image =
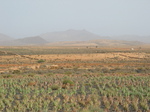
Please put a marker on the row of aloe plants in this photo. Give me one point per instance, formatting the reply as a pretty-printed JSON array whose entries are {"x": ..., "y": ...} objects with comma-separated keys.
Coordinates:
[{"x": 75, "y": 93}]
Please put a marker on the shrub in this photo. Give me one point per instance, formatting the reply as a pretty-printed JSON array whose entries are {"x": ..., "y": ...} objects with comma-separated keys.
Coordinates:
[
  {"x": 16, "y": 72},
  {"x": 31, "y": 75},
  {"x": 50, "y": 74},
  {"x": 68, "y": 81},
  {"x": 105, "y": 70},
  {"x": 54, "y": 87},
  {"x": 68, "y": 72},
  {"x": 101, "y": 74},
  {"x": 41, "y": 61},
  {"x": 7, "y": 76}
]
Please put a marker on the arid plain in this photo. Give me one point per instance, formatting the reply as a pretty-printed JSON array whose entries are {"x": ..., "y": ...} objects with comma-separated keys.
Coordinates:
[{"x": 36, "y": 58}]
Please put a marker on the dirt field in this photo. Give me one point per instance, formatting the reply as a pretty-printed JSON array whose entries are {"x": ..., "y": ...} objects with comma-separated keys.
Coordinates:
[{"x": 58, "y": 58}]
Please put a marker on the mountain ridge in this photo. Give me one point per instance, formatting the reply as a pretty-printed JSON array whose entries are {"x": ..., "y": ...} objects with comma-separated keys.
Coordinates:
[
  {"x": 68, "y": 38},
  {"x": 4, "y": 37},
  {"x": 71, "y": 35},
  {"x": 36, "y": 40},
  {"x": 32, "y": 40}
]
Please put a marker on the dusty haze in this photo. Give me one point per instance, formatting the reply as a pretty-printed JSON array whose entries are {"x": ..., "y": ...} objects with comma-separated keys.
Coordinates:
[{"x": 25, "y": 18}]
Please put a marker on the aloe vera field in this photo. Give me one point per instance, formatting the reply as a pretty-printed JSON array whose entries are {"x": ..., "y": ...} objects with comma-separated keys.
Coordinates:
[{"x": 74, "y": 79}]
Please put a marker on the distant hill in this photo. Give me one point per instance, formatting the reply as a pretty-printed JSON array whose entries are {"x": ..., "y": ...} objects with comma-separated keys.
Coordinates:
[
  {"x": 71, "y": 35},
  {"x": 74, "y": 38},
  {"x": 84, "y": 35},
  {"x": 4, "y": 37},
  {"x": 25, "y": 41},
  {"x": 37, "y": 40}
]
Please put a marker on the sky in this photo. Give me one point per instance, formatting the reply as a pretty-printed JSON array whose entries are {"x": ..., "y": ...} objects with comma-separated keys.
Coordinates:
[{"x": 23, "y": 18}]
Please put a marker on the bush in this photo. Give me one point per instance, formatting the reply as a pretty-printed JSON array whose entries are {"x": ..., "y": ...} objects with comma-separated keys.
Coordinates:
[
  {"x": 50, "y": 74},
  {"x": 41, "y": 61},
  {"x": 16, "y": 72},
  {"x": 7, "y": 76},
  {"x": 68, "y": 72},
  {"x": 54, "y": 87},
  {"x": 105, "y": 70},
  {"x": 31, "y": 75},
  {"x": 68, "y": 81},
  {"x": 101, "y": 74}
]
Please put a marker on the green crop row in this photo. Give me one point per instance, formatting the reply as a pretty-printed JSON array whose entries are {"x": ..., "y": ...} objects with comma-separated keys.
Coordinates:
[{"x": 75, "y": 93}]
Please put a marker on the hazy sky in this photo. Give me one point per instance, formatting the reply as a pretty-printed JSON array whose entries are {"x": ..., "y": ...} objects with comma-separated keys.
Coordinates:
[{"x": 22, "y": 18}]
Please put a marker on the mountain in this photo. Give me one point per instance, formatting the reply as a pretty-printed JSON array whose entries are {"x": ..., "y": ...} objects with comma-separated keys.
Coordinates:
[
  {"x": 75, "y": 38},
  {"x": 37, "y": 40},
  {"x": 4, "y": 37},
  {"x": 71, "y": 35},
  {"x": 25, "y": 41},
  {"x": 83, "y": 35}
]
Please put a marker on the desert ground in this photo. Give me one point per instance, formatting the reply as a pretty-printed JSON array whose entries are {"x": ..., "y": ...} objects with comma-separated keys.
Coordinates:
[{"x": 49, "y": 58}]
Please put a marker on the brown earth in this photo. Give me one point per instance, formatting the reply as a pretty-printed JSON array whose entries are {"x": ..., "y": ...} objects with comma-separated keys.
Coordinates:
[{"x": 81, "y": 61}]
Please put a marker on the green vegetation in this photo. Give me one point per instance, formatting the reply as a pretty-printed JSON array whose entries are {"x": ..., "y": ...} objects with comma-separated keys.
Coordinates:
[
  {"x": 41, "y": 61},
  {"x": 67, "y": 50},
  {"x": 54, "y": 87},
  {"x": 89, "y": 93},
  {"x": 68, "y": 81},
  {"x": 16, "y": 72}
]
